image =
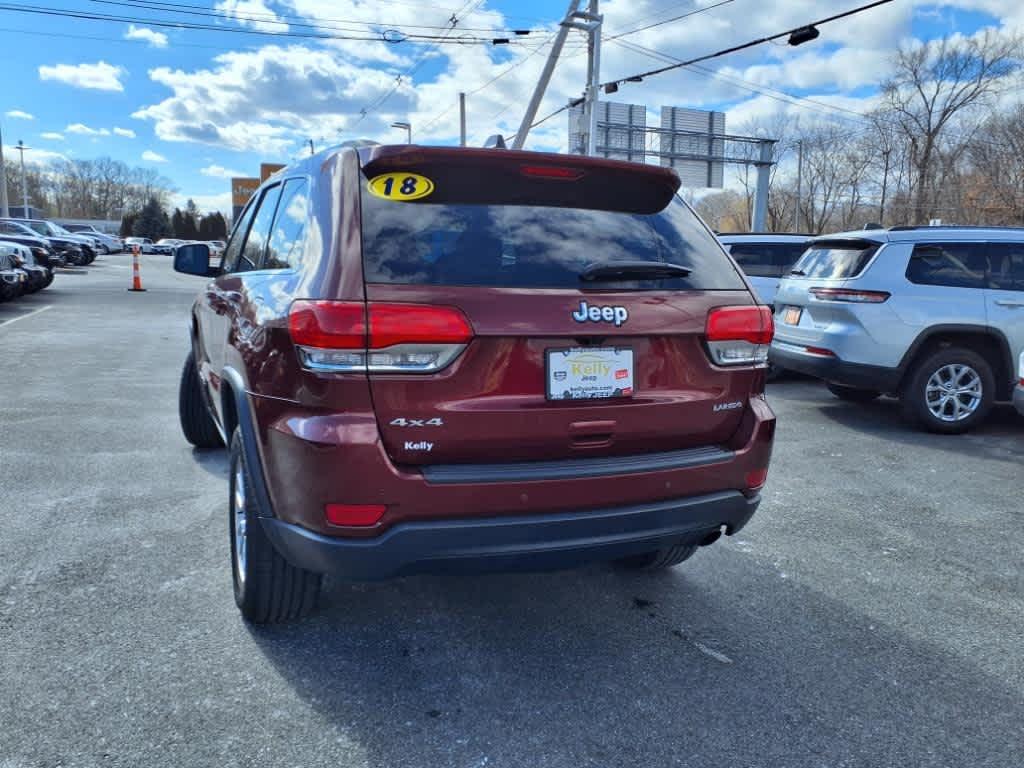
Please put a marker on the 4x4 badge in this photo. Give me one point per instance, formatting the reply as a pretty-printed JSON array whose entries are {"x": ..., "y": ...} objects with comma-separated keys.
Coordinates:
[{"x": 617, "y": 315}]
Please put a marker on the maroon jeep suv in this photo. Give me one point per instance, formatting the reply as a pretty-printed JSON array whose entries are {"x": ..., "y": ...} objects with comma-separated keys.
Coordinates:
[{"x": 428, "y": 358}]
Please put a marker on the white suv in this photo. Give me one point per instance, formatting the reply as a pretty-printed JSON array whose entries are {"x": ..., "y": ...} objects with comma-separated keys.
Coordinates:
[
  {"x": 765, "y": 258},
  {"x": 933, "y": 315}
]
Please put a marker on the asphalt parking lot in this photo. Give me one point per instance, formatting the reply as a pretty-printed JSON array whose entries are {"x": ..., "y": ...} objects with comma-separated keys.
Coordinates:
[{"x": 872, "y": 614}]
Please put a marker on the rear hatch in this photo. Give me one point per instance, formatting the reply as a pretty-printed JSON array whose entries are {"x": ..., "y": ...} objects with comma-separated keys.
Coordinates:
[
  {"x": 575, "y": 294},
  {"x": 819, "y": 293}
]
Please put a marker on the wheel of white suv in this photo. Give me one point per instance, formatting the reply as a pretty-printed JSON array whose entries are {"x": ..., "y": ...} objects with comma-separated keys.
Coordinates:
[
  {"x": 853, "y": 394},
  {"x": 268, "y": 589},
  {"x": 949, "y": 391}
]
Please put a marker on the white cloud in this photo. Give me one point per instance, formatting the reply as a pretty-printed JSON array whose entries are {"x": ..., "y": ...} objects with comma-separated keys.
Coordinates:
[
  {"x": 127, "y": 133},
  {"x": 152, "y": 157},
  {"x": 270, "y": 100},
  {"x": 43, "y": 156},
  {"x": 255, "y": 14},
  {"x": 85, "y": 130},
  {"x": 52, "y": 136},
  {"x": 220, "y": 172},
  {"x": 220, "y": 201},
  {"x": 154, "y": 38},
  {"x": 17, "y": 114},
  {"x": 99, "y": 76}
]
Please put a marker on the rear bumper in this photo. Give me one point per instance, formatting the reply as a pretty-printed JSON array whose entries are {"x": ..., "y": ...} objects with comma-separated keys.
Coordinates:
[
  {"x": 528, "y": 542},
  {"x": 833, "y": 369},
  {"x": 1018, "y": 399}
]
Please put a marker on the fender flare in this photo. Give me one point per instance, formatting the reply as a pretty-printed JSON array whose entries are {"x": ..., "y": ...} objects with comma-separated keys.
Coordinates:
[
  {"x": 250, "y": 444},
  {"x": 930, "y": 333}
]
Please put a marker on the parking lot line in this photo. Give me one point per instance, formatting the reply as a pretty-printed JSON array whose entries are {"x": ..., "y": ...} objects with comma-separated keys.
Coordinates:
[{"x": 27, "y": 314}]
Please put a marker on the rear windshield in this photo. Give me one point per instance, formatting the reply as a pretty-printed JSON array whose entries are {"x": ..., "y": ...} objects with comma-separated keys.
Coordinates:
[
  {"x": 766, "y": 259},
  {"x": 839, "y": 260},
  {"x": 534, "y": 246}
]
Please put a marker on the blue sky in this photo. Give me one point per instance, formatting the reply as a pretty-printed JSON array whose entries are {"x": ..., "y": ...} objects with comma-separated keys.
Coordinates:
[{"x": 199, "y": 105}]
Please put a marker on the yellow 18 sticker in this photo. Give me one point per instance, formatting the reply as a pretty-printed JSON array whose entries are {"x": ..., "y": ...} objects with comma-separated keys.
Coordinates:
[{"x": 401, "y": 186}]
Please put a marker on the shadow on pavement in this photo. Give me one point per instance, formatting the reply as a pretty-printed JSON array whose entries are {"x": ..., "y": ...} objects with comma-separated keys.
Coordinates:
[
  {"x": 597, "y": 667},
  {"x": 213, "y": 460}
]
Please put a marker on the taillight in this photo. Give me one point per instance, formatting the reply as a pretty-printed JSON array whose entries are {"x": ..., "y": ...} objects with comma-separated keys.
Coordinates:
[
  {"x": 739, "y": 335},
  {"x": 349, "y": 336},
  {"x": 849, "y": 295},
  {"x": 551, "y": 172}
]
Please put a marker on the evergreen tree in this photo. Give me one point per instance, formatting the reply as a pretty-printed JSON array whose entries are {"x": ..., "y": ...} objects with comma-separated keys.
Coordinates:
[
  {"x": 152, "y": 221},
  {"x": 178, "y": 224},
  {"x": 128, "y": 224},
  {"x": 190, "y": 221}
]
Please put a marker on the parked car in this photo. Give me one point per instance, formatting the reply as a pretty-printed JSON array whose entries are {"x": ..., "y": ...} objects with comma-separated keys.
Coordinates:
[
  {"x": 765, "y": 258},
  {"x": 37, "y": 276},
  {"x": 48, "y": 229},
  {"x": 557, "y": 367},
  {"x": 932, "y": 315},
  {"x": 107, "y": 243},
  {"x": 12, "y": 279},
  {"x": 1018, "y": 391},
  {"x": 51, "y": 251},
  {"x": 166, "y": 246},
  {"x": 144, "y": 243}
]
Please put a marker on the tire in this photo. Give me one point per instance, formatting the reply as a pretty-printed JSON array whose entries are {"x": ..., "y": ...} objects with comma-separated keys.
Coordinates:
[
  {"x": 971, "y": 378},
  {"x": 268, "y": 589},
  {"x": 853, "y": 394},
  {"x": 774, "y": 373},
  {"x": 196, "y": 423},
  {"x": 659, "y": 559}
]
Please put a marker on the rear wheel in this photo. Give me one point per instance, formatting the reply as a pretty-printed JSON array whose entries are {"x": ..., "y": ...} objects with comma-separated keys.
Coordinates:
[
  {"x": 853, "y": 394},
  {"x": 268, "y": 589},
  {"x": 950, "y": 391},
  {"x": 658, "y": 559},
  {"x": 196, "y": 422}
]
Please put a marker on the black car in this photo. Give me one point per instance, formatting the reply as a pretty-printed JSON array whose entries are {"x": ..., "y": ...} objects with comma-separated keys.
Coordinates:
[
  {"x": 12, "y": 279},
  {"x": 78, "y": 250},
  {"x": 49, "y": 252}
]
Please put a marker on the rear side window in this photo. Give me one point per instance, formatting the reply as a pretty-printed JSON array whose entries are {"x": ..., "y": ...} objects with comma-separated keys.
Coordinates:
[
  {"x": 766, "y": 259},
  {"x": 1006, "y": 266},
  {"x": 534, "y": 246},
  {"x": 956, "y": 265},
  {"x": 836, "y": 260}
]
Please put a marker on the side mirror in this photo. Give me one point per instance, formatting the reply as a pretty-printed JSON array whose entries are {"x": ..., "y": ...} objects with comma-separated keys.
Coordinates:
[{"x": 194, "y": 259}]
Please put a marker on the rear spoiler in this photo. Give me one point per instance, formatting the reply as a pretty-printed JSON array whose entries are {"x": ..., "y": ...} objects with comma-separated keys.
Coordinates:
[{"x": 508, "y": 177}]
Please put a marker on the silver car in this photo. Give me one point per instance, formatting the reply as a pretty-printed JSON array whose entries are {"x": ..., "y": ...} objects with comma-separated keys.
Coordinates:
[{"x": 932, "y": 315}]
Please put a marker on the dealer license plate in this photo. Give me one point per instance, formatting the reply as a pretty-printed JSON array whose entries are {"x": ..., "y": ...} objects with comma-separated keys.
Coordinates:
[{"x": 589, "y": 373}]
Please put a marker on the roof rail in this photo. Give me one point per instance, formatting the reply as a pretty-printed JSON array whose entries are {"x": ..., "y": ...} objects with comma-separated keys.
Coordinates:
[
  {"x": 913, "y": 227},
  {"x": 787, "y": 234}
]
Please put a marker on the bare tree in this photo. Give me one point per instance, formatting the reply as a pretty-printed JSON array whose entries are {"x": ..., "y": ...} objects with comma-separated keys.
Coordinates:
[{"x": 934, "y": 87}]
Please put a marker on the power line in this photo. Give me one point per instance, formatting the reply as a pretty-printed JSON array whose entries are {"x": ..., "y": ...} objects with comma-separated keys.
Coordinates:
[
  {"x": 744, "y": 46},
  {"x": 669, "y": 21},
  {"x": 195, "y": 26},
  {"x": 271, "y": 17}
]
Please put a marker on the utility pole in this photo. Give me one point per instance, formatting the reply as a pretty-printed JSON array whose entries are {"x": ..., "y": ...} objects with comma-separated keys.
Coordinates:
[
  {"x": 4, "y": 210},
  {"x": 545, "y": 75},
  {"x": 799, "y": 183},
  {"x": 24, "y": 186},
  {"x": 885, "y": 185},
  {"x": 764, "y": 175},
  {"x": 462, "y": 118},
  {"x": 593, "y": 93}
]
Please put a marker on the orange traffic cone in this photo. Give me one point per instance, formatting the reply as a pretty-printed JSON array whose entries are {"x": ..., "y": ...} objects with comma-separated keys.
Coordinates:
[{"x": 136, "y": 277}]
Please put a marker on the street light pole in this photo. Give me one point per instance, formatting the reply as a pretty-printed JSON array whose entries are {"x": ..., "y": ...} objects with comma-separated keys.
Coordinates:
[
  {"x": 24, "y": 186},
  {"x": 407, "y": 127}
]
